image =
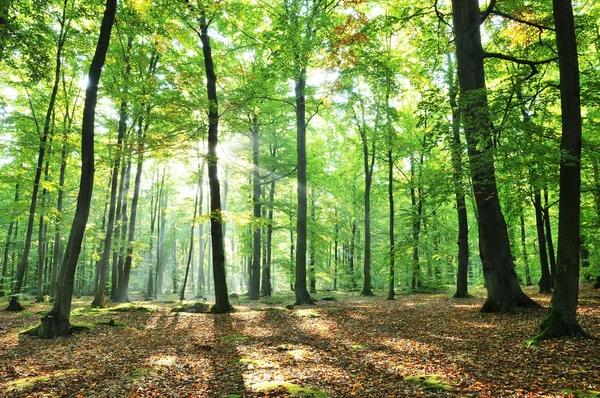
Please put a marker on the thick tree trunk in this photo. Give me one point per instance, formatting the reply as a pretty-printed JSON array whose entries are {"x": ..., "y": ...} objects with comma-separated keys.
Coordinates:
[
  {"x": 216, "y": 218},
  {"x": 504, "y": 292},
  {"x": 302, "y": 295},
  {"x": 56, "y": 322},
  {"x": 561, "y": 318},
  {"x": 545, "y": 282}
]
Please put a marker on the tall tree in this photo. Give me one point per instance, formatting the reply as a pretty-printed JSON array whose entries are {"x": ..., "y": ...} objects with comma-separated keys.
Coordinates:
[
  {"x": 56, "y": 322},
  {"x": 561, "y": 318},
  {"x": 504, "y": 292}
]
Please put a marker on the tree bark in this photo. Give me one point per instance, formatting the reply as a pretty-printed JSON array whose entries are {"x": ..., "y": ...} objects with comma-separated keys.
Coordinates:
[
  {"x": 504, "y": 292},
  {"x": 549, "y": 241},
  {"x": 216, "y": 217},
  {"x": 3, "y": 288},
  {"x": 56, "y": 322},
  {"x": 524, "y": 250},
  {"x": 545, "y": 282},
  {"x": 561, "y": 318},
  {"x": 254, "y": 284},
  {"x": 302, "y": 295}
]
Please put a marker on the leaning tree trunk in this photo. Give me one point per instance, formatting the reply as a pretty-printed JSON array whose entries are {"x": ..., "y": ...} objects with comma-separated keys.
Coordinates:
[
  {"x": 504, "y": 292},
  {"x": 216, "y": 217},
  {"x": 561, "y": 318},
  {"x": 56, "y": 322}
]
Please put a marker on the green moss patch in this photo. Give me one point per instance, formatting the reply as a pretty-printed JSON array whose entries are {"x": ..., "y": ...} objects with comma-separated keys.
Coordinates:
[
  {"x": 289, "y": 389},
  {"x": 27, "y": 383},
  {"x": 234, "y": 338},
  {"x": 583, "y": 393},
  {"x": 194, "y": 308},
  {"x": 142, "y": 372},
  {"x": 132, "y": 308},
  {"x": 308, "y": 313},
  {"x": 430, "y": 382}
]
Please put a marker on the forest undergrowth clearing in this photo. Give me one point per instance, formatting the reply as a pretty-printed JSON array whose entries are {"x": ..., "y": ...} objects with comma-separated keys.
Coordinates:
[{"x": 420, "y": 344}]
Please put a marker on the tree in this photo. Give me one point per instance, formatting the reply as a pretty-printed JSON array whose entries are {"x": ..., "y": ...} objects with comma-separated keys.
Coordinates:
[
  {"x": 504, "y": 292},
  {"x": 56, "y": 322},
  {"x": 561, "y": 318}
]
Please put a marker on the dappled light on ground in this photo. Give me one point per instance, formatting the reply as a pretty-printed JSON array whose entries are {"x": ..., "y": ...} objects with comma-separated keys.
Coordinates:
[{"x": 428, "y": 345}]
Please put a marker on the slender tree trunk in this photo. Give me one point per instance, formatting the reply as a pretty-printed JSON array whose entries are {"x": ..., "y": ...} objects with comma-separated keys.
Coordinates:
[
  {"x": 266, "y": 280},
  {"x": 368, "y": 163},
  {"x": 312, "y": 250},
  {"x": 7, "y": 247},
  {"x": 292, "y": 258},
  {"x": 99, "y": 298},
  {"x": 56, "y": 322},
  {"x": 123, "y": 289},
  {"x": 216, "y": 218},
  {"x": 191, "y": 250},
  {"x": 42, "y": 150},
  {"x": 302, "y": 295},
  {"x": 351, "y": 256},
  {"x": 524, "y": 250},
  {"x": 160, "y": 244},
  {"x": 551, "y": 256},
  {"x": 504, "y": 292},
  {"x": 254, "y": 284},
  {"x": 335, "y": 250},
  {"x": 545, "y": 282},
  {"x": 561, "y": 318},
  {"x": 417, "y": 206}
]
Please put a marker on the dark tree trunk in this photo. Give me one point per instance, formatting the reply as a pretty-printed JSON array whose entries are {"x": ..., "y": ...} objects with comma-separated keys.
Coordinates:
[
  {"x": 545, "y": 282},
  {"x": 368, "y": 165},
  {"x": 524, "y": 250},
  {"x": 335, "y": 249},
  {"x": 292, "y": 258},
  {"x": 302, "y": 295},
  {"x": 549, "y": 240},
  {"x": 390, "y": 160},
  {"x": 119, "y": 257},
  {"x": 504, "y": 292},
  {"x": 58, "y": 250},
  {"x": 417, "y": 206},
  {"x": 312, "y": 250},
  {"x": 351, "y": 256},
  {"x": 200, "y": 291},
  {"x": 56, "y": 322},
  {"x": 266, "y": 280},
  {"x": 561, "y": 318},
  {"x": 254, "y": 283},
  {"x": 160, "y": 243},
  {"x": 462, "y": 274},
  {"x": 216, "y": 218}
]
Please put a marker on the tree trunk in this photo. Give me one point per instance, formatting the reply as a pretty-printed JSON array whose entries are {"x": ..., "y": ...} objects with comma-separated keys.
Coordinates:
[
  {"x": 216, "y": 218},
  {"x": 524, "y": 250},
  {"x": 368, "y": 168},
  {"x": 42, "y": 150},
  {"x": 312, "y": 250},
  {"x": 56, "y": 322},
  {"x": 561, "y": 318},
  {"x": 7, "y": 247},
  {"x": 462, "y": 274},
  {"x": 504, "y": 292},
  {"x": 191, "y": 250},
  {"x": 254, "y": 284},
  {"x": 302, "y": 295},
  {"x": 266, "y": 280},
  {"x": 351, "y": 256},
  {"x": 545, "y": 282},
  {"x": 549, "y": 241},
  {"x": 417, "y": 206},
  {"x": 160, "y": 243},
  {"x": 335, "y": 250}
]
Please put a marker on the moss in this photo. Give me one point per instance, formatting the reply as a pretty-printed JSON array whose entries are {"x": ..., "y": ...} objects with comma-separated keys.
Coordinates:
[
  {"x": 286, "y": 388},
  {"x": 308, "y": 313},
  {"x": 141, "y": 372},
  {"x": 430, "y": 382},
  {"x": 583, "y": 393},
  {"x": 131, "y": 308},
  {"x": 234, "y": 338},
  {"x": 194, "y": 308},
  {"x": 27, "y": 383},
  {"x": 554, "y": 326}
]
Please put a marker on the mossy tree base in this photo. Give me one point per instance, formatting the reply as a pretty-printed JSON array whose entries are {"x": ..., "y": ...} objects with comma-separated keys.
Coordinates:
[
  {"x": 554, "y": 325},
  {"x": 218, "y": 310},
  {"x": 53, "y": 325},
  {"x": 14, "y": 305},
  {"x": 463, "y": 295}
]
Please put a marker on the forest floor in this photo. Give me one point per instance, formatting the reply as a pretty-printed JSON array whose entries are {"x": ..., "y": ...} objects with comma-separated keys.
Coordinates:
[{"x": 417, "y": 345}]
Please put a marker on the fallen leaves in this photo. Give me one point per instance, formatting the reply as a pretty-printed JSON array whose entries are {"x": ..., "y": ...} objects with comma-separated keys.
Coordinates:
[{"x": 421, "y": 345}]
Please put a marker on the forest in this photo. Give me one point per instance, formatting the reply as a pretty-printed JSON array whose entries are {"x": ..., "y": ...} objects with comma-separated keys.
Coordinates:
[{"x": 299, "y": 198}]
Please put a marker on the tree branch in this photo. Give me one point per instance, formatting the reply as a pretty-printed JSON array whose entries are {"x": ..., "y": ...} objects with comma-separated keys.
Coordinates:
[
  {"x": 519, "y": 20},
  {"x": 487, "y": 11},
  {"x": 531, "y": 64}
]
